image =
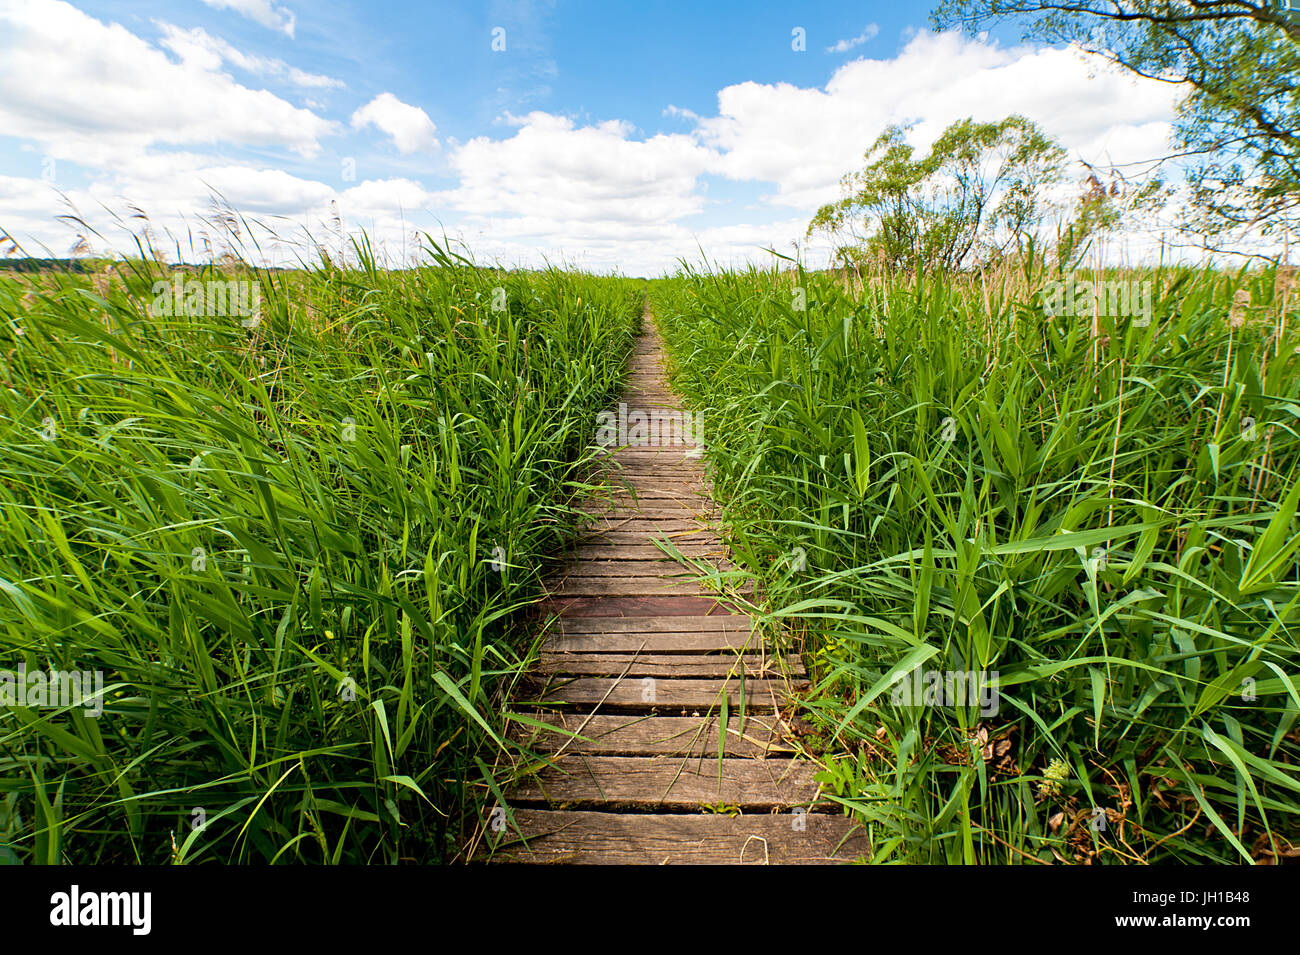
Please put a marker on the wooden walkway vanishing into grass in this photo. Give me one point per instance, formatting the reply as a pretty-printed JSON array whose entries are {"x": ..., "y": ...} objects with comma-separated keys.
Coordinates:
[{"x": 649, "y": 670}]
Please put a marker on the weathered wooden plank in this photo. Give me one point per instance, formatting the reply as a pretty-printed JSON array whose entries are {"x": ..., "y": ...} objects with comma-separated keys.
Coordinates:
[
  {"x": 631, "y": 586},
  {"x": 618, "y": 553},
  {"x": 631, "y": 606},
  {"x": 631, "y": 530},
  {"x": 636, "y": 538},
  {"x": 753, "y": 665},
  {"x": 627, "y": 735},
  {"x": 625, "y": 586},
  {"x": 651, "y": 782},
  {"x": 661, "y": 567},
  {"x": 658, "y": 428},
  {"x": 693, "y": 505},
  {"x": 647, "y": 525},
  {"x": 605, "y": 838},
  {"x": 656, "y": 424},
  {"x": 734, "y": 622},
  {"x": 655, "y": 428},
  {"x": 692, "y": 471},
  {"x": 614, "y": 474},
  {"x": 637, "y": 531},
  {"x": 634, "y": 498},
  {"x": 707, "y": 641},
  {"x": 672, "y": 449},
  {"x": 613, "y": 566},
  {"x": 695, "y": 482},
  {"x": 646, "y": 511},
  {"x": 664, "y": 694},
  {"x": 663, "y": 456},
  {"x": 649, "y": 489},
  {"x": 672, "y": 444}
]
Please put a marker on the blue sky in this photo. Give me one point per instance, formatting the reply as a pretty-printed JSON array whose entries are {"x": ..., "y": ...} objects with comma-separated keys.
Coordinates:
[
  {"x": 610, "y": 135},
  {"x": 597, "y": 60}
]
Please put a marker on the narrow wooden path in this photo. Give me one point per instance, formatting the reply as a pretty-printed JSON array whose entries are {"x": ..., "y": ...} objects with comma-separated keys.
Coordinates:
[{"x": 639, "y": 664}]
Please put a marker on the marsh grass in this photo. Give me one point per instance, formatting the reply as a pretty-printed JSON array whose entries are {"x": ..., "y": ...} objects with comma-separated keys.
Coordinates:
[
  {"x": 299, "y": 548},
  {"x": 1102, "y": 513}
]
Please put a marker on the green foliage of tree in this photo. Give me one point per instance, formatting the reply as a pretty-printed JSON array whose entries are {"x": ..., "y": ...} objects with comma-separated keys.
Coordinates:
[
  {"x": 975, "y": 193},
  {"x": 1240, "y": 62}
]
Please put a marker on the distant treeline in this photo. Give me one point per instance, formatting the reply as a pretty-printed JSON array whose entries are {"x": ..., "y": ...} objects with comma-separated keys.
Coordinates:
[
  {"x": 87, "y": 265},
  {"x": 29, "y": 264}
]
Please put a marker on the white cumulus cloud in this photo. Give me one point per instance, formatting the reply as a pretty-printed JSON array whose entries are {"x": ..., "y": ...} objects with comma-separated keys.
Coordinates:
[
  {"x": 95, "y": 93},
  {"x": 803, "y": 139},
  {"x": 259, "y": 11},
  {"x": 408, "y": 126},
  {"x": 598, "y": 175},
  {"x": 843, "y": 46},
  {"x": 209, "y": 52}
]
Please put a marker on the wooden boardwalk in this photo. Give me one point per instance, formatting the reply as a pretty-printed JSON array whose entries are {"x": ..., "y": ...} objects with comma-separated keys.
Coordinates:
[{"x": 639, "y": 664}]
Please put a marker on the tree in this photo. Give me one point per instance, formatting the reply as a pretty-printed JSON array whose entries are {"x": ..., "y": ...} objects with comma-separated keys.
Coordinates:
[
  {"x": 1240, "y": 62},
  {"x": 975, "y": 193}
]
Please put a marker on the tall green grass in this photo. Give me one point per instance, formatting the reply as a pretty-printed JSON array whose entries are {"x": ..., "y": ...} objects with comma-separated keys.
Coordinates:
[
  {"x": 298, "y": 548},
  {"x": 932, "y": 472}
]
